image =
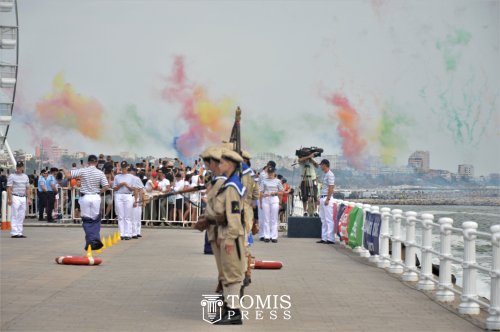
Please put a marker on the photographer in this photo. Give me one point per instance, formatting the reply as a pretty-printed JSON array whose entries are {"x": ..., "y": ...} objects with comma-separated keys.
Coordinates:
[{"x": 308, "y": 185}]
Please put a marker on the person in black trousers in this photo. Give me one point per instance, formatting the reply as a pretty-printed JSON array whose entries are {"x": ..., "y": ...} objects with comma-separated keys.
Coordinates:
[{"x": 42, "y": 194}]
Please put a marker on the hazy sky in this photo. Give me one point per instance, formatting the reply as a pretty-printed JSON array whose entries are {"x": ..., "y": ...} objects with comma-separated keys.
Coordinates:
[{"x": 364, "y": 78}]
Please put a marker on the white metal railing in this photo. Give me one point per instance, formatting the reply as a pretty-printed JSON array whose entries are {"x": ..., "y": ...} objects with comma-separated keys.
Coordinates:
[{"x": 391, "y": 234}]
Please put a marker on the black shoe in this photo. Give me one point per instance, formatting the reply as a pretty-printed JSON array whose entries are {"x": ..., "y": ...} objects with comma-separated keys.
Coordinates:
[
  {"x": 230, "y": 317},
  {"x": 247, "y": 281},
  {"x": 266, "y": 240},
  {"x": 15, "y": 236},
  {"x": 305, "y": 214},
  {"x": 139, "y": 235},
  {"x": 320, "y": 241},
  {"x": 122, "y": 237},
  {"x": 96, "y": 245},
  {"x": 41, "y": 219},
  {"x": 135, "y": 237},
  {"x": 261, "y": 239},
  {"x": 126, "y": 238},
  {"x": 316, "y": 215},
  {"x": 21, "y": 236},
  {"x": 274, "y": 241},
  {"x": 330, "y": 242}
]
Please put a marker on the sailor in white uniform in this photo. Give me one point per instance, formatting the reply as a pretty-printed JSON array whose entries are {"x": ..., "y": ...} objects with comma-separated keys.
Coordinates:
[
  {"x": 124, "y": 186},
  {"x": 18, "y": 195},
  {"x": 326, "y": 203}
]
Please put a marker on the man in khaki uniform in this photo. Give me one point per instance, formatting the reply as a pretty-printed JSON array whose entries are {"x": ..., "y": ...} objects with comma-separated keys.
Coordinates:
[
  {"x": 211, "y": 158},
  {"x": 249, "y": 198},
  {"x": 228, "y": 204}
]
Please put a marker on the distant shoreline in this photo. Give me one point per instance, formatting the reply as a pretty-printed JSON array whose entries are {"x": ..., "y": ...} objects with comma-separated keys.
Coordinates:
[{"x": 475, "y": 201}]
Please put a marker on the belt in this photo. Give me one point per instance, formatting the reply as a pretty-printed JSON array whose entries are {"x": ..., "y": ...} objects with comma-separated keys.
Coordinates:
[
  {"x": 83, "y": 194},
  {"x": 19, "y": 195}
]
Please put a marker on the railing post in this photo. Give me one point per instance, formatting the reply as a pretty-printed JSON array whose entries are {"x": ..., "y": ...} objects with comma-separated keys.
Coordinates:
[
  {"x": 4, "y": 210},
  {"x": 396, "y": 266},
  {"x": 410, "y": 251},
  {"x": 425, "y": 282},
  {"x": 9, "y": 216},
  {"x": 73, "y": 200},
  {"x": 467, "y": 306},
  {"x": 384, "y": 239},
  {"x": 444, "y": 294},
  {"x": 363, "y": 251},
  {"x": 493, "y": 320},
  {"x": 375, "y": 258},
  {"x": 61, "y": 206}
]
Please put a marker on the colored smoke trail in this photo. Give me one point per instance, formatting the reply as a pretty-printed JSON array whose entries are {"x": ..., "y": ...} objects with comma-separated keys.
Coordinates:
[
  {"x": 389, "y": 136},
  {"x": 66, "y": 109},
  {"x": 451, "y": 46},
  {"x": 131, "y": 127},
  {"x": 208, "y": 122},
  {"x": 262, "y": 135},
  {"x": 466, "y": 112},
  {"x": 353, "y": 145}
]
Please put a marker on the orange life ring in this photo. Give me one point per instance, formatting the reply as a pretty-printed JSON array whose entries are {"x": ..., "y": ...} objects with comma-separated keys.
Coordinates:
[
  {"x": 78, "y": 260},
  {"x": 269, "y": 265}
]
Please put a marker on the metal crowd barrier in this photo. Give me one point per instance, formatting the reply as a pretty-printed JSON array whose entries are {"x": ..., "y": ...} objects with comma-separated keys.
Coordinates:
[
  {"x": 161, "y": 209},
  {"x": 158, "y": 208}
]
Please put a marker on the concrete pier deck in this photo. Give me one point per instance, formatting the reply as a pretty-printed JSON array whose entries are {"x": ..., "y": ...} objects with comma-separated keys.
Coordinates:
[{"x": 156, "y": 284}]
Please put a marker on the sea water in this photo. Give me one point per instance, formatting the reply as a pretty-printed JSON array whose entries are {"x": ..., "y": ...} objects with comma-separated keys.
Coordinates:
[{"x": 484, "y": 216}]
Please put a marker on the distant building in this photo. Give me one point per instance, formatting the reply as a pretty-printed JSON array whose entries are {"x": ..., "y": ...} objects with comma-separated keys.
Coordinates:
[
  {"x": 466, "y": 171},
  {"x": 419, "y": 160},
  {"x": 80, "y": 155},
  {"x": 439, "y": 173},
  {"x": 125, "y": 155},
  {"x": 336, "y": 162}
]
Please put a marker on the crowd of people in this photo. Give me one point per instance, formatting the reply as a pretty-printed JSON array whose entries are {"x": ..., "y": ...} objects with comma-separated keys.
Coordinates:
[{"x": 168, "y": 176}]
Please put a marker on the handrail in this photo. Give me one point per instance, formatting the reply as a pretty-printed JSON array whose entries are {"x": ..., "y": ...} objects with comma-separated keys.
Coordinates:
[{"x": 390, "y": 229}]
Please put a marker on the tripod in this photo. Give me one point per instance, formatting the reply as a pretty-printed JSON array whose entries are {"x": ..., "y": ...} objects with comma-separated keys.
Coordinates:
[{"x": 308, "y": 193}]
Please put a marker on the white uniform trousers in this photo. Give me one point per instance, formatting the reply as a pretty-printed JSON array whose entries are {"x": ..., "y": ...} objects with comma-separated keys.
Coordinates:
[
  {"x": 271, "y": 208},
  {"x": 136, "y": 220},
  {"x": 326, "y": 215},
  {"x": 18, "y": 214},
  {"x": 124, "y": 204},
  {"x": 90, "y": 205},
  {"x": 262, "y": 218}
]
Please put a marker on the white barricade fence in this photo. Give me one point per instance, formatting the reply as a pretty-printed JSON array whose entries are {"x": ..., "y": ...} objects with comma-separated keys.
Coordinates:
[
  {"x": 157, "y": 209},
  {"x": 395, "y": 243},
  {"x": 165, "y": 209}
]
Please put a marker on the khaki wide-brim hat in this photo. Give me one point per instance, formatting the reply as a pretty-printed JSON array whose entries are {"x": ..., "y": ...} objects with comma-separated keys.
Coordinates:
[
  {"x": 227, "y": 145},
  {"x": 246, "y": 155},
  {"x": 204, "y": 154},
  {"x": 215, "y": 153},
  {"x": 231, "y": 155}
]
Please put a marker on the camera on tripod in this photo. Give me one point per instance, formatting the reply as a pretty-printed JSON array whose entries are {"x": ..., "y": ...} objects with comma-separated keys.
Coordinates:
[{"x": 304, "y": 152}]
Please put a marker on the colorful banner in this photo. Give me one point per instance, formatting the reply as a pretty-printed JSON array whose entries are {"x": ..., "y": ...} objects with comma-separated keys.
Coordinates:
[
  {"x": 343, "y": 224},
  {"x": 371, "y": 232},
  {"x": 340, "y": 211},
  {"x": 355, "y": 227}
]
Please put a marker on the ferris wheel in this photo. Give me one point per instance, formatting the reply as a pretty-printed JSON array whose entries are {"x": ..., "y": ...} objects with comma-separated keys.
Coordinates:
[{"x": 9, "y": 57}]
